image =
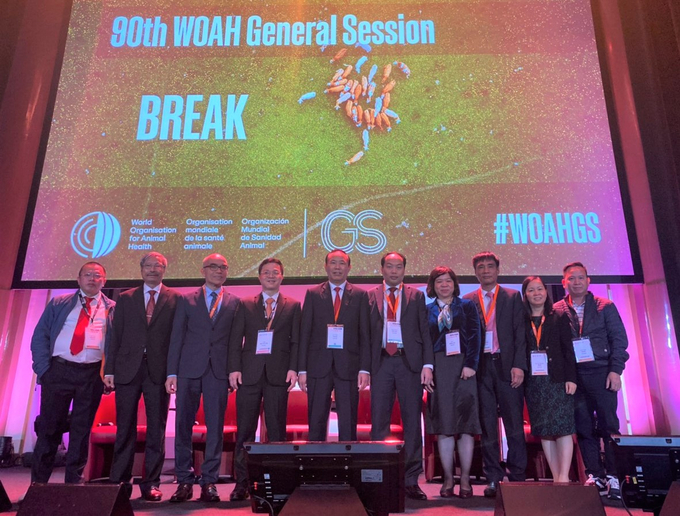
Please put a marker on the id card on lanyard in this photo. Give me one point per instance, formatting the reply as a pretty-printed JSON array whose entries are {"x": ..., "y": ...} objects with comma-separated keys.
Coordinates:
[
  {"x": 265, "y": 339},
  {"x": 453, "y": 343},
  {"x": 583, "y": 349},
  {"x": 335, "y": 337},
  {"x": 94, "y": 332},
  {"x": 539, "y": 359},
  {"x": 488, "y": 337}
]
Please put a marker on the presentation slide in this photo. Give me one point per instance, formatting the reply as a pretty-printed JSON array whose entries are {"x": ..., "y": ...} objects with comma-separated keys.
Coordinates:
[{"x": 289, "y": 128}]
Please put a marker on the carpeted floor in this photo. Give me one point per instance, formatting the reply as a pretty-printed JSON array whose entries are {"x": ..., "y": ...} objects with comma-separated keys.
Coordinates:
[{"x": 16, "y": 481}]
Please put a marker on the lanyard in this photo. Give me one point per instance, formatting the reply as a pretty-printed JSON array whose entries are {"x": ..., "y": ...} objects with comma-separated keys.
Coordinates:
[
  {"x": 582, "y": 319},
  {"x": 492, "y": 306},
  {"x": 538, "y": 331},
  {"x": 218, "y": 301},
  {"x": 87, "y": 312},
  {"x": 396, "y": 300}
]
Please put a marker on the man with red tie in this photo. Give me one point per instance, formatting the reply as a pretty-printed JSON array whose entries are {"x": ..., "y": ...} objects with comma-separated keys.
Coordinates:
[
  {"x": 335, "y": 351},
  {"x": 136, "y": 364},
  {"x": 68, "y": 344}
]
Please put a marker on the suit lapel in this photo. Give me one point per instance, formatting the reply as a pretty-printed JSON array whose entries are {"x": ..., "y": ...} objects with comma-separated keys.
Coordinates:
[
  {"x": 259, "y": 307},
  {"x": 138, "y": 300},
  {"x": 380, "y": 300},
  {"x": 405, "y": 298},
  {"x": 280, "y": 305},
  {"x": 161, "y": 298}
]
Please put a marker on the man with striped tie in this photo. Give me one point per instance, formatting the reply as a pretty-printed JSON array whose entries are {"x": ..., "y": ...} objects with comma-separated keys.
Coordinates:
[
  {"x": 136, "y": 364},
  {"x": 67, "y": 347},
  {"x": 197, "y": 365}
]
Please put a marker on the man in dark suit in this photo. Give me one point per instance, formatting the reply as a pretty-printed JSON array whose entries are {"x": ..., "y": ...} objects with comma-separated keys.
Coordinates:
[
  {"x": 402, "y": 360},
  {"x": 501, "y": 371},
  {"x": 68, "y": 344},
  {"x": 136, "y": 365},
  {"x": 197, "y": 364},
  {"x": 335, "y": 349},
  {"x": 263, "y": 355}
]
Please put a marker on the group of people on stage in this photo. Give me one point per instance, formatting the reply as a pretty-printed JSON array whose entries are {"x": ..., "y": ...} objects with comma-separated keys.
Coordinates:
[{"x": 477, "y": 357}]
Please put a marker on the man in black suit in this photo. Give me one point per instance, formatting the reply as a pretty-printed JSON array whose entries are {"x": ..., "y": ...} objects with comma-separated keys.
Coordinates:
[
  {"x": 402, "y": 360},
  {"x": 263, "y": 355},
  {"x": 335, "y": 349},
  {"x": 501, "y": 371},
  {"x": 136, "y": 365},
  {"x": 197, "y": 364}
]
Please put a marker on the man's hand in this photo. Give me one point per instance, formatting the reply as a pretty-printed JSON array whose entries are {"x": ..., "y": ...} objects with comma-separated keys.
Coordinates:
[
  {"x": 171, "y": 385},
  {"x": 108, "y": 382},
  {"x": 468, "y": 372},
  {"x": 516, "y": 377},
  {"x": 302, "y": 381},
  {"x": 235, "y": 380},
  {"x": 427, "y": 379},
  {"x": 363, "y": 381},
  {"x": 291, "y": 378},
  {"x": 570, "y": 387},
  {"x": 614, "y": 382}
]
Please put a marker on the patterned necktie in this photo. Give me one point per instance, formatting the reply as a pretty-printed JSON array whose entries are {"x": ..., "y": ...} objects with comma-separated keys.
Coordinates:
[
  {"x": 150, "y": 306},
  {"x": 269, "y": 302},
  {"x": 336, "y": 303},
  {"x": 213, "y": 300},
  {"x": 445, "y": 319},
  {"x": 391, "y": 347},
  {"x": 78, "y": 340}
]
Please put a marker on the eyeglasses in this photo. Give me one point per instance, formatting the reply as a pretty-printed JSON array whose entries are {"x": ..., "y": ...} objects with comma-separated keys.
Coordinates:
[
  {"x": 154, "y": 266},
  {"x": 214, "y": 267},
  {"x": 94, "y": 275},
  {"x": 271, "y": 273}
]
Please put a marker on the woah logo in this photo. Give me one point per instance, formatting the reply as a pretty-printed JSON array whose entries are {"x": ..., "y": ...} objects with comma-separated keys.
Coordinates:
[
  {"x": 342, "y": 229},
  {"x": 95, "y": 234}
]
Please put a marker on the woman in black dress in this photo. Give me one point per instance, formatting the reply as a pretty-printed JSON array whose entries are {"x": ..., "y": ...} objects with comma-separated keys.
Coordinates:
[
  {"x": 550, "y": 386},
  {"x": 453, "y": 407}
]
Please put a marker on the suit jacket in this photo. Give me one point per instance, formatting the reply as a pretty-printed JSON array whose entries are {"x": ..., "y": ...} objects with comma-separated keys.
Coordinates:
[
  {"x": 510, "y": 327},
  {"x": 50, "y": 325},
  {"x": 414, "y": 330},
  {"x": 317, "y": 313},
  {"x": 466, "y": 321},
  {"x": 250, "y": 319},
  {"x": 556, "y": 341},
  {"x": 197, "y": 340},
  {"x": 132, "y": 335}
]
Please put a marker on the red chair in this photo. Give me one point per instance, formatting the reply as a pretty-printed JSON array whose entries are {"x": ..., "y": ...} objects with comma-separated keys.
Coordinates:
[
  {"x": 364, "y": 419},
  {"x": 297, "y": 425}
]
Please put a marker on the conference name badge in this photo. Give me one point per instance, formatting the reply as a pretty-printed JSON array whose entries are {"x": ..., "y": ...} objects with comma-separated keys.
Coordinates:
[
  {"x": 583, "y": 350},
  {"x": 335, "y": 336},
  {"x": 94, "y": 336},
  {"x": 539, "y": 363},
  {"x": 264, "y": 342},
  {"x": 394, "y": 332},
  {"x": 453, "y": 343},
  {"x": 488, "y": 342}
]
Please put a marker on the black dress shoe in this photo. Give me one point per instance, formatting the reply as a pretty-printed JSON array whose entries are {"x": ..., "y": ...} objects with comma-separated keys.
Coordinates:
[
  {"x": 415, "y": 493},
  {"x": 209, "y": 493},
  {"x": 490, "y": 490},
  {"x": 239, "y": 494},
  {"x": 184, "y": 492},
  {"x": 153, "y": 494}
]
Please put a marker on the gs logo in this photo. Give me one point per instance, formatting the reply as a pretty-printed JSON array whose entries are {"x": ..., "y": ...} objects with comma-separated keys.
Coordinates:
[{"x": 354, "y": 226}]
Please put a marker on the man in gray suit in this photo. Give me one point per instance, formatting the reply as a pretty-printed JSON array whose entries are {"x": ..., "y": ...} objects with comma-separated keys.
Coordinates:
[
  {"x": 402, "y": 360},
  {"x": 197, "y": 364}
]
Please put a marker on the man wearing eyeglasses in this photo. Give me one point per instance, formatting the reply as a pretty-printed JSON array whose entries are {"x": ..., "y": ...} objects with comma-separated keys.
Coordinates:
[
  {"x": 67, "y": 348},
  {"x": 263, "y": 352},
  {"x": 136, "y": 364},
  {"x": 197, "y": 364}
]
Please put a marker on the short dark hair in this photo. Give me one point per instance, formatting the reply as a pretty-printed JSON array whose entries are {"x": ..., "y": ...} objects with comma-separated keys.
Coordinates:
[
  {"x": 547, "y": 307},
  {"x": 91, "y": 263},
  {"x": 153, "y": 254},
  {"x": 349, "y": 260},
  {"x": 573, "y": 264},
  {"x": 382, "y": 260},
  {"x": 440, "y": 271},
  {"x": 483, "y": 256},
  {"x": 269, "y": 260}
]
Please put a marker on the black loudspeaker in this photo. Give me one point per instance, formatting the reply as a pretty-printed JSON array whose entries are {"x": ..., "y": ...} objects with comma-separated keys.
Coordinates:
[
  {"x": 671, "y": 506},
  {"x": 5, "y": 503},
  {"x": 547, "y": 499},
  {"x": 75, "y": 500}
]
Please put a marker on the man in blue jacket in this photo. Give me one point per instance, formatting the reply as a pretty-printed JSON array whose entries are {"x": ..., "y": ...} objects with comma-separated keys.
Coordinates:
[
  {"x": 68, "y": 345},
  {"x": 600, "y": 343}
]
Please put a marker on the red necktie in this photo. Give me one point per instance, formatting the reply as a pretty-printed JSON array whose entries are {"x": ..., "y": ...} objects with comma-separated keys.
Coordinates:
[
  {"x": 336, "y": 303},
  {"x": 391, "y": 347},
  {"x": 150, "y": 306},
  {"x": 78, "y": 340}
]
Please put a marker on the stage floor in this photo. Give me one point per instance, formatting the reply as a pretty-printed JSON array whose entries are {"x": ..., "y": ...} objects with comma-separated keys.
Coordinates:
[{"x": 17, "y": 479}]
